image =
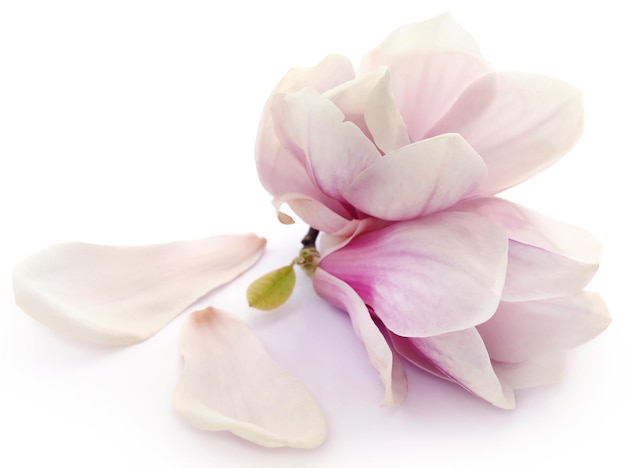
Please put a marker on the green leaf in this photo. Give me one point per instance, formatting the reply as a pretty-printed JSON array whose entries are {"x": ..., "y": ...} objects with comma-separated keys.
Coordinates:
[{"x": 272, "y": 289}]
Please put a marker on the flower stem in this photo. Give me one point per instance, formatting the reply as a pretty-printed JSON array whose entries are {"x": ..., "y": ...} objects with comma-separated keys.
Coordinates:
[{"x": 308, "y": 241}]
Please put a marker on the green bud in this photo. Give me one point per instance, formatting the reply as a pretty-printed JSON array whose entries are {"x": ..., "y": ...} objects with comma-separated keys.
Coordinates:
[{"x": 272, "y": 289}]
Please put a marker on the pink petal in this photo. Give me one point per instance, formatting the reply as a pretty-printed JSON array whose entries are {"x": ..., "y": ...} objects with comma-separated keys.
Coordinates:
[
  {"x": 434, "y": 275},
  {"x": 333, "y": 151},
  {"x": 368, "y": 102},
  {"x": 460, "y": 357},
  {"x": 431, "y": 63},
  {"x": 278, "y": 168},
  {"x": 520, "y": 123},
  {"x": 520, "y": 331},
  {"x": 389, "y": 368},
  {"x": 122, "y": 295},
  {"x": 230, "y": 383},
  {"x": 541, "y": 370},
  {"x": 547, "y": 258},
  {"x": 418, "y": 179}
]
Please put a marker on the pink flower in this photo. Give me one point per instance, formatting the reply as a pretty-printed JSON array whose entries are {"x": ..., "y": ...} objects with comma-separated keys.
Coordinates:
[{"x": 398, "y": 166}]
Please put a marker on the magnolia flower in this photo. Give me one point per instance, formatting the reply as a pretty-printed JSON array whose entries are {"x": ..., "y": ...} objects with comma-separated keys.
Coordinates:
[
  {"x": 123, "y": 295},
  {"x": 398, "y": 165}
]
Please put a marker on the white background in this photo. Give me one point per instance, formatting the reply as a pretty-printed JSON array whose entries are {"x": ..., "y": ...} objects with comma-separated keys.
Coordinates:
[{"x": 129, "y": 122}]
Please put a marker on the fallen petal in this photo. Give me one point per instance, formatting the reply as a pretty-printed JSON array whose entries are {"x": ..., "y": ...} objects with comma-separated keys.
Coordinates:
[
  {"x": 230, "y": 383},
  {"x": 122, "y": 295}
]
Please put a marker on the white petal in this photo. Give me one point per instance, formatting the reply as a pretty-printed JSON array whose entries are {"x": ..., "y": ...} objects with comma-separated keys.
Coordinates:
[
  {"x": 230, "y": 383},
  {"x": 541, "y": 370},
  {"x": 122, "y": 295}
]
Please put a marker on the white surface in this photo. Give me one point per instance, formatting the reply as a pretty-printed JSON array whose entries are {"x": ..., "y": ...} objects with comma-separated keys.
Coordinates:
[{"x": 128, "y": 122}]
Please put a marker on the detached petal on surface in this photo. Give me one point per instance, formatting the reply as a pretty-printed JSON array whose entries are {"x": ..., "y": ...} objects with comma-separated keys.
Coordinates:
[
  {"x": 122, "y": 295},
  {"x": 520, "y": 123},
  {"x": 441, "y": 273},
  {"x": 230, "y": 383}
]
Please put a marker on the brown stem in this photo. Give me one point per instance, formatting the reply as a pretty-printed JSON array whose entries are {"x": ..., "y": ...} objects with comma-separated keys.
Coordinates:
[{"x": 310, "y": 238}]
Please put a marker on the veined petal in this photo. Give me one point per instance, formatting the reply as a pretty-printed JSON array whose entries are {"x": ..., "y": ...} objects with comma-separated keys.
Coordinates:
[
  {"x": 418, "y": 179},
  {"x": 520, "y": 123},
  {"x": 431, "y": 63},
  {"x": 520, "y": 331},
  {"x": 278, "y": 168},
  {"x": 534, "y": 273},
  {"x": 122, "y": 295},
  {"x": 547, "y": 258},
  {"x": 441, "y": 273},
  {"x": 460, "y": 357},
  {"x": 333, "y": 150},
  {"x": 230, "y": 383},
  {"x": 368, "y": 102},
  {"x": 389, "y": 368}
]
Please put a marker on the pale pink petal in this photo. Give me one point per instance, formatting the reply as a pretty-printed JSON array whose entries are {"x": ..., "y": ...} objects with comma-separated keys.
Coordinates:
[
  {"x": 368, "y": 102},
  {"x": 418, "y": 179},
  {"x": 520, "y": 123},
  {"x": 460, "y": 357},
  {"x": 230, "y": 383},
  {"x": 520, "y": 331},
  {"x": 534, "y": 273},
  {"x": 315, "y": 214},
  {"x": 431, "y": 63},
  {"x": 334, "y": 151},
  {"x": 122, "y": 295},
  {"x": 441, "y": 273},
  {"x": 541, "y": 370},
  {"x": 547, "y": 258},
  {"x": 389, "y": 368},
  {"x": 279, "y": 170}
]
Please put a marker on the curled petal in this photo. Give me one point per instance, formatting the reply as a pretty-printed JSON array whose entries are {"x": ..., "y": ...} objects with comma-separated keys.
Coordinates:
[
  {"x": 460, "y": 357},
  {"x": 431, "y": 64},
  {"x": 418, "y": 179},
  {"x": 520, "y": 331},
  {"x": 122, "y": 295},
  {"x": 520, "y": 123},
  {"x": 389, "y": 368},
  {"x": 333, "y": 151},
  {"x": 230, "y": 383},
  {"x": 441, "y": 273},
  {"x": 278, "y": 168},
  {"x": 368, "y": 102}
]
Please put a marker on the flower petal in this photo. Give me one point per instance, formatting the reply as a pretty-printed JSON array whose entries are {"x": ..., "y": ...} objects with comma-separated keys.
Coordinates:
[
  {"x": 542, "y": 370},
  {"x": 278, "y": 168},
  {"x": 333, "y": 151},
  {"x": 460, "y": 357},
  {"x": 431, "y": 63},
  {"x": 520, "y": 123},
  {"x": 230, "y": 383},
  {"x": 122, "y": 295},
  {"x": 434, "y": 275},
  {"x": 389, "y": 368},
  {"x": 419, "y": 179},
  {"x": 520, "y": 331},
  {"x": 368, "y": 102},
  {"x": 547, "y": 258}
]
